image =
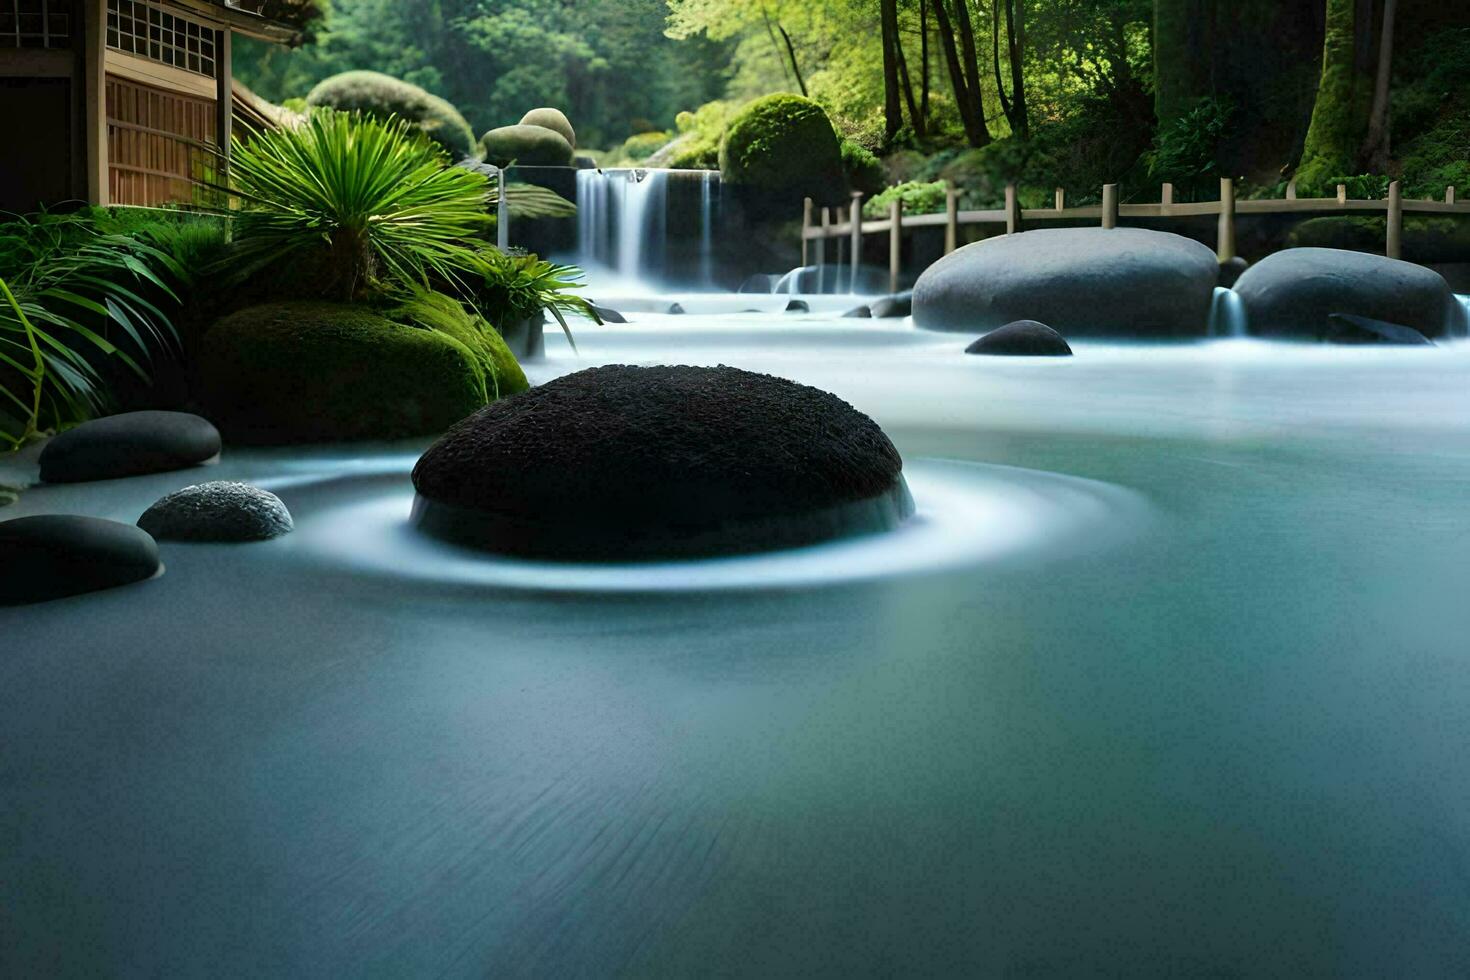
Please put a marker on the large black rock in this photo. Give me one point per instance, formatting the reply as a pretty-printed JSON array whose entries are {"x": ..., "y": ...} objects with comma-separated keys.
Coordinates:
[
  {"x": 128, "y": 445},
  {"x": 628, "y": 462},
  {"x": 1125, "y": 282},
  {"x": 1292, "y": 293},
  {"x": 58, "y": 555},
  {"x": 1024, "y": 338}
]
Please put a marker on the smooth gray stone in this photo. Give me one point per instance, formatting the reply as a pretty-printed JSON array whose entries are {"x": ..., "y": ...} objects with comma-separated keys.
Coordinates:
[
  {"x": 129, "y": 444},
  {"x": 897, "y": 305},
  {"x": 675, "y": 308},
  {"x": 861, "y": 312},
  {"x": 1345, "y": 328},
  {"x": 218, "y": 511},
  {"x": 1024, "y": 338},
  {"x": 1231, "y": 270},
  {"x": 798, "y": 306},
  {"x": 609, "y": 315},
  {"x": 1126, "y": 282},
  {"x": 1292, "y": 293},
  {"x": 57, "y": 555}
]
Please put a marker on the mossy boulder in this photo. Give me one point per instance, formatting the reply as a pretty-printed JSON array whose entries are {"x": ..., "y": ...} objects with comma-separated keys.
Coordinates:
[
  {"x": 785, "y": 146},
  {"x": 436, "y": 311},
  {"x": 531, "y": 146},
  {"x": 375, "y": 94},
  {"x": 319, "y": 372},
  {"x": 864, "y": 171},
  {"x": 554, "y": 120}
]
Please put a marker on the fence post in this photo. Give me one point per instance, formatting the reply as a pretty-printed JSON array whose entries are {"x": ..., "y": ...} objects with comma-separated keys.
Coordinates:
[
  {"x": 1291, "y": 189},
  {"x": 1013, "y": 210},
  {"x": 1342, "y": 193},
  {"x": 806, "y": 224},
  {"x": 1061, "y": 199},
  {"x": 1225, "y": 245},
  {"x": 1110, "y": 206},
  {"x": 857, "y": 238},
  {"x": 502, "y": 214},
  {"x": 1166, "y": 196},
  {"x": 1395, "y": 220},
  {"x": 1449, "y": 194},
  {"x": 895, "y": 243},
  {"x": 822, "y": 246},
  {"x": 951, "y": 217}
]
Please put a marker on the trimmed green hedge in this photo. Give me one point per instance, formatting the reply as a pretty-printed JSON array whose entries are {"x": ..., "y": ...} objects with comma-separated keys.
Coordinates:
[
  {"x": 323, "y": 372},
  {"x": 531, "y": 146},
  {"x": 554, "y": 120},
  {"x": 381, "y": 96},
  {"x": 784, "y": 144}
]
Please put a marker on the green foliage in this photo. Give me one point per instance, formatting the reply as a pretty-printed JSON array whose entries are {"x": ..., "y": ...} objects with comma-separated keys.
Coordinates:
[
  {"x": 71, "y": 298},
  {"x": 554, "y": 120},
  {"x": 1340, "y": 115},
  {"x": 371, "y": 201},
  {"x": 917, "y": 198},
  {"x": 643, "y": 145},
  {"x": 864, "y": 171},
  {"x": 1363, "y": 187},
  {"x": 1431, "y": 115},
  {"x": 511, "y": 287},
  {"x": 1186, "y": 152},
  {"x": 436, "y": 311},
  {"x": 531, "y": 146},
  {"x": 1426, "y": 239},
  {"x": 785, "y": 145},
  {"x": 382, "y": 97},
  {"x": 697, "y": 147},
  {"x": 317, "y": 372}
]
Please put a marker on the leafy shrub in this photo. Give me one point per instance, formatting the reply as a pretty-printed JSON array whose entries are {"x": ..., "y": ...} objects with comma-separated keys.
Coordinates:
[
  {"x": 1426, "y": 239},
  {"x": 532, "y": 146},
  {"x": 436, "y": 311},
  {"x": 73, "y": 297},
  {"x": 864, "y": 171},
  {"x": 317, "y": 372},
  {"x": 511, "y": 287},
  {"x": 641, "y": 146},
  {"x": 370, "y": 202},
  {"x": 785, "y": 145},
  {"x": 1187, "y": 151},
  {"x": 1362, "y": 187},
  {"x": 554, "y": 120},
  {"x": 697, "y": 147},
  {"x": 917, "y": 198},
  {"x": 383, "y": 96}
]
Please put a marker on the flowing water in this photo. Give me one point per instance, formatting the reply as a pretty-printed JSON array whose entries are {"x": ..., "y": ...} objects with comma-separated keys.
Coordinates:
[{"x": 1169, "y": 677}]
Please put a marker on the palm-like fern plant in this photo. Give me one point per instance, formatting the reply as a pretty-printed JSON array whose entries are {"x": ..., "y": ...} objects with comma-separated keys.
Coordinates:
[
  {"x": 377, "y": 199},
  {"x": 511, "y": 287},
  {"x": 71, "y": 296}
]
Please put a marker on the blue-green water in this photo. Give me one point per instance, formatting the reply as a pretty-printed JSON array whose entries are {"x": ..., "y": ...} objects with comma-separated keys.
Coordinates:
[{"x": 1173, "y": 679}]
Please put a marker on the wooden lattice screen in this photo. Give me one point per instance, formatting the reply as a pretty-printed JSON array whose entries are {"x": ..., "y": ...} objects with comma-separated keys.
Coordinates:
[{"x": 159, "y": 144}]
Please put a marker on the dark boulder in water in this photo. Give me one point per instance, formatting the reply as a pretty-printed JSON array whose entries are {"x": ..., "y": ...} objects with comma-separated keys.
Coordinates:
[
  {"x": 1024, "y": 338},
  {"x": 129, "y": 445},
  {"x": 860, "y": 312},
  {"x": 897, "y": 305},
  {"x": 626, "y": 463},
  {"x": 1231, "y": 270},
  {"x": 798, "y": 306},
  {"x": 609, "y": 315},
  {"x": 59, "y": 555},
  {"x": 1345, "y": 328},
  {"x": 676, "y": 309}
]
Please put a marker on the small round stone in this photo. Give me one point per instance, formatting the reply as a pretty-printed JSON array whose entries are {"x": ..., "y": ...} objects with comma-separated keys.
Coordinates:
[
  {"x": 57, "y": 555},
  {"x": 218, "y": 511},
  {"x": 623, "y": 463},
  {"x": 1023, "y": 338}
]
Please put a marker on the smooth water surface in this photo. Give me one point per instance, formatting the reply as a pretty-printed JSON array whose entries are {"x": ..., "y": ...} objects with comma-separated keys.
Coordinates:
[{"x": 1205, "y": 712}]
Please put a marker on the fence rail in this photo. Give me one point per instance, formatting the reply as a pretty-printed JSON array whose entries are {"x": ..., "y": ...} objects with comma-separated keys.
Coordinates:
[{"x": 819, "y": 228}]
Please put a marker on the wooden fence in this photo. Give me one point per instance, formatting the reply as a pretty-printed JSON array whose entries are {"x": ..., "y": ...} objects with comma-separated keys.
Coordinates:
[{"x": 820, "y": 228}]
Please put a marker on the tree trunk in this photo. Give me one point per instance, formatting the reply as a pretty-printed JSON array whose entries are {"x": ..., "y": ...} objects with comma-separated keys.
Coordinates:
[
  {"x": 1339, "y": 125},
  {"x": 916, "y": 118},
  {"x": 1000, "y": 86},
  {"x": 892, "y": 55},
  {"x": 1016, "y": 37},
  {"x": 972, "y": 111},
  {"x": 791, "y": 53},
  {"x": 924, "y": 56},
  {"x": 1375, "y": 147}
]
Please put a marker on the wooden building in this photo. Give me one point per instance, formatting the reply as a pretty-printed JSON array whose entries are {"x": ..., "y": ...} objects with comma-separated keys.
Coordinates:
[{"x": 123, "y": 101}]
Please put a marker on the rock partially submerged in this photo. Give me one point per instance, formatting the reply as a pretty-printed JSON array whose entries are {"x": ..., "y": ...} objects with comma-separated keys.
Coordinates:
[
  {"x": 897, "y": 305},
  {"x": 1292, "y": 293},
  {"x": 1024, "y": 338},
  {"x": 218, "y": 511},
  {"x": 129, "y": 444},
  {"x": 1126, "y": 282},
  {"x": 58, "y": 555},
  {"x": 626, "y": 463},
  {"x": 1345, "y": 328},
  {"x": 797, "y": 306}
]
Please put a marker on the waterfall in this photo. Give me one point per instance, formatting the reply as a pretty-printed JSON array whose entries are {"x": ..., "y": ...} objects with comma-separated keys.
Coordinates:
[
  {"x": 1464, "y": 329},
  {"x": 707, "y": 229},
  {"x": 1227, "y": 314}
]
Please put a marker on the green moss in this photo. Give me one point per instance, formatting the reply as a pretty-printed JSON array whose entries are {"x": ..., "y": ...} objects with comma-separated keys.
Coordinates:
[
  {"x": 319, "y": 372},
  {"x": 785, "y": 145},
  {"x": 917, "y": 197},
  {"x": 1344, "y": 98},
  {"x": 864, "y": 171},
  {"x": 378, "y": 95},
  {"x": 554, "y": 120},
  {"x": 643, "y": 145},
  {"x": 436, "y": 311},
  {"x": 531, "y": 146}
]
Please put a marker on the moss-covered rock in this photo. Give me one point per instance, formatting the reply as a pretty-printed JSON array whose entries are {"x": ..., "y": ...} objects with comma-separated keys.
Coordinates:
[
  {"x": 379, "y": 95},
  {"x": 864, "y": 171},
  {"x": 436, "y": 311},
  {"x": 532, "y": 146},
  {"x": 554, "y": 120},
  {"x": 784, "y": 145},
  {"x": 644, "y": 145},
  {"x": 319, "y": 372}
]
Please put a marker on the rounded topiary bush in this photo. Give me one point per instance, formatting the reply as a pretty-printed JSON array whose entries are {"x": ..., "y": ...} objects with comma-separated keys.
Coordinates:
[
  {"x": 381, "y": 96},
  {"x": 785, "y": 145},
  {"x": 554, "y": 120},
  {"x": 318, "y": 372},
  {"x": 532, "y": 146}
]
